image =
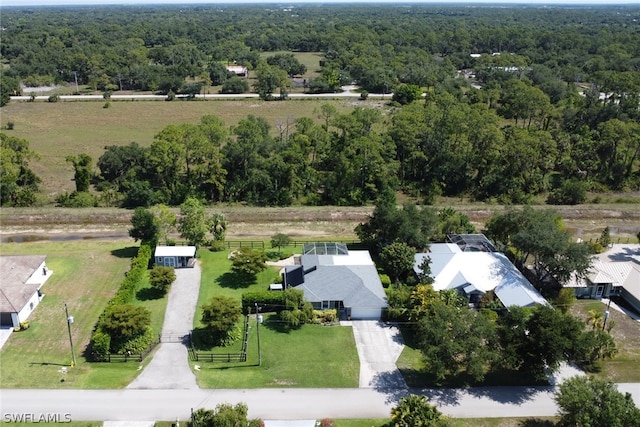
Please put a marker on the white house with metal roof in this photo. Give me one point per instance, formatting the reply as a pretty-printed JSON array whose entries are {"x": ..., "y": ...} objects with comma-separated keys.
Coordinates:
[
  {"x": 21, "y": 280},
  {"x": 616, "y": 271},
  {"x": 175, "y": 256},
  {"x": 333, "y": 277},
  {"x": 475, "y": 269}
]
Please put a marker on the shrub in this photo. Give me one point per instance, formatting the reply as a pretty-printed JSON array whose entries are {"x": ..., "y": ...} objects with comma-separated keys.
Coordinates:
[
  {"x": 364, "y": 95},
  {"x": 106, "y": 105},
  {"x": 10, "y": 125},
  {"x": 161, "y": 278},
  {"x": 386, "y": 280},
  {"x": 100, "y": 343},
  {"x": 570, "y": 193},
  {"x": 217, "y": 246},
  {"x": 268, "y": 301},
  {"x": 171, "y": 96},
  {"x": 138, "y": 344},
  {"x": 53, "y": 98},
  {"x": 327, "y": 422}
]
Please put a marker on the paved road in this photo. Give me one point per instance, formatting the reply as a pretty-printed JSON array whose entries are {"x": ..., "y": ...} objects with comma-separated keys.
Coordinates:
[
  {"x": 169, "y": 368},
  {"x": 282, "y": 404}
]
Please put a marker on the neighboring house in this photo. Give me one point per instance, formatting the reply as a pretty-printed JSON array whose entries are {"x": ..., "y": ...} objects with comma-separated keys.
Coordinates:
[
  {"x": 473, "y": 267},
  {"x": 175, "y": 256},
  {"x": 21, "y": 280},
  {"x": 332, "y": 277},
  {"x": 238, "y": 70},
  {"x": 613, "y": 272}
]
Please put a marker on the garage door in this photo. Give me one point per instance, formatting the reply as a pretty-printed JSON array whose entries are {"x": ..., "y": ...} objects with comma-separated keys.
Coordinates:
[
  {"x": 366, "y": 313},
  {"x": 5, "y": 319}
]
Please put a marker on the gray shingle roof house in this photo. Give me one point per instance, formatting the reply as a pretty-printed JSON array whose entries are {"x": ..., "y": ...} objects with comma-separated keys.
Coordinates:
[
  {"x": 340, "y": 279},
  {"x": 22, "y": 278},
  {"x": 473, "y": 267}
]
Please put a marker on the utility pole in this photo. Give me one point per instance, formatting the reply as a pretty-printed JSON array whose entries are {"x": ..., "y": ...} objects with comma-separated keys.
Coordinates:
[
  {"x": 258, "y": 334},
  {"x": 606, "y": 312},
  {"x": 69, "y": 322},
  {"x": 75, "y": 74}
]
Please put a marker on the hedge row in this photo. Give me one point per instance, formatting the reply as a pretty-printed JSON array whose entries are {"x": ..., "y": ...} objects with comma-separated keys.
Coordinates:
[
  {"x": 133, "y": 277},
  {"x": 268, "y": 301},
  {"x": 100, "y": 343}
]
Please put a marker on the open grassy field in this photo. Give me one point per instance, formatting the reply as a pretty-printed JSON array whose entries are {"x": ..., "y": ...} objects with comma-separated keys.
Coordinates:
[
  {"x": 313, "y": 361},
  {"x": 86, "y": 274},
  {"x": 57, "y": 130}
]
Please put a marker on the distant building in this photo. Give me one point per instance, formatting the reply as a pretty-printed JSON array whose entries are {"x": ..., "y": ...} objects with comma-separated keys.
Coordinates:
[
  {"x": 238, "y": 70},
  {"x": 21, "y": 280}
]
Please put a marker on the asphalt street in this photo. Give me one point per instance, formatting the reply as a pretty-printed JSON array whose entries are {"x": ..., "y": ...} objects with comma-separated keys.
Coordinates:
[{"x": 282, "y": 404}]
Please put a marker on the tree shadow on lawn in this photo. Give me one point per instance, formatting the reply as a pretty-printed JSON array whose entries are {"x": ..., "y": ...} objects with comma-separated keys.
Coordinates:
[
  {"x": 235, "y": 280},
  {"x": 128, "y": 252},
  {"x": 273, "y": 322},
  {"x": 146, "y": 294}
]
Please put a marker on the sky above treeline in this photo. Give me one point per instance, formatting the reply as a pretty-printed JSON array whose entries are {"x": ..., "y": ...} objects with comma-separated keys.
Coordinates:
[{"x": 138, "y": 2}]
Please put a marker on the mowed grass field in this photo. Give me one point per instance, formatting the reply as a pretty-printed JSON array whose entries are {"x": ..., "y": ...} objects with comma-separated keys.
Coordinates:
[
  {"x": 86, "y": 274},
  {"x": 57, "y": 130}
]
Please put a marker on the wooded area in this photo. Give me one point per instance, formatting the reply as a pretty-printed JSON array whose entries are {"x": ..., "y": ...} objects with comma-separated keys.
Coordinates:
[{"x": 520, "y": 101}]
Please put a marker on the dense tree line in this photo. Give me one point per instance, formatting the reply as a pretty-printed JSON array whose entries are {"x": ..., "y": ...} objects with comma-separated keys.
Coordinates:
[
  {"x": 155, "y": 48},
  {"x": 529, "y": 128}
]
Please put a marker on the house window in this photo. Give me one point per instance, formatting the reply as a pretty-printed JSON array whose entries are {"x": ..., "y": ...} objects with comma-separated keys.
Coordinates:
[
  {"x": 31, "y": 305},
  {"x": 325, "y": 305}
]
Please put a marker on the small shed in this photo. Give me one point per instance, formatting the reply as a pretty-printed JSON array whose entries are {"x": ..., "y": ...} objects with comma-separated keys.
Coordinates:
[{"x": 175, "y": 256}]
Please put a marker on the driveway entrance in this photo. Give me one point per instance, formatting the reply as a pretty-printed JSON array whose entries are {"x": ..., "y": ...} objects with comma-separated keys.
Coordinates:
[{"x": 379, "y": 346}]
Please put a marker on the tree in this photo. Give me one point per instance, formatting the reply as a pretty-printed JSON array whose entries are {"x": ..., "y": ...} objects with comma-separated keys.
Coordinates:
[
  {"x": 82, "y": 165},
  {"x": 248, "y": 262},
  {"x": 224, "y": 415},
  {"x": 160, "y": 278},
  {"x": 455, "y": 342},
  {"x": 235, "y": 84},
  {"x": 407, "y": 93},
  {"x": 145, "y": 227},
  {"x": 9, "y": 86},
  {"x": 18, "y": 183},
  {"x": 218, "y": 227},
  {"x": 287, "y": 62},
  {"x": 279, "y": 240},
  {"x": 397, "y": 259},
  {"x": 296, "y": 311},
  {"x": 540, "y": 234},
  {"x": 586, "y": 401},
  {"x": 193, "y": 224},
  {"x": 125, "y": 322},
  {"x": 220, "y": 317},
  {"x": 415, "y": 411},
  {"x": 165, "y": 221},
  {"x": 269, "y": 79}
]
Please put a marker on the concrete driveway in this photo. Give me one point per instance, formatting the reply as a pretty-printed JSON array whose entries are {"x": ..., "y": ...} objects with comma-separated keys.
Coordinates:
[
  {"x": 379, "y": 346},
  {"x": 169, "y": 368}
]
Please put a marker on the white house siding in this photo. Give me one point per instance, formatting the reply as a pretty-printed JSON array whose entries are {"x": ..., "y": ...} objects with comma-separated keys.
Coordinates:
[{"x": 28, "y": 308}]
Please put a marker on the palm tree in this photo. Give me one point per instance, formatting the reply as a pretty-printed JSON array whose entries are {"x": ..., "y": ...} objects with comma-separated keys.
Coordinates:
[{"x": 595, "y": 319}]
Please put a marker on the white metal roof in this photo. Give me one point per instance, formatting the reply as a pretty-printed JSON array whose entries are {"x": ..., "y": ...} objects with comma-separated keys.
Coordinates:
[
  {"x": 485, "y": 271},
  {"x": 188, "y": 251}
]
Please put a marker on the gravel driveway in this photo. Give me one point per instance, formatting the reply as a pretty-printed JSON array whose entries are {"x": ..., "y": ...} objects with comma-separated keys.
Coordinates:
[{"x": 169, "y": 368}]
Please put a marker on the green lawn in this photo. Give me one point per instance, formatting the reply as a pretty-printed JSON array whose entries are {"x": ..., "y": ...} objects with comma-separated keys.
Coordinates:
[
  {"x": 311, "y": 356},
  {"x": 86, "y": 275}
]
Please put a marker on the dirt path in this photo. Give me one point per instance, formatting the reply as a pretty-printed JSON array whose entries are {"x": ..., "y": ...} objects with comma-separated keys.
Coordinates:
[{"x": 245, "y": 222}]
